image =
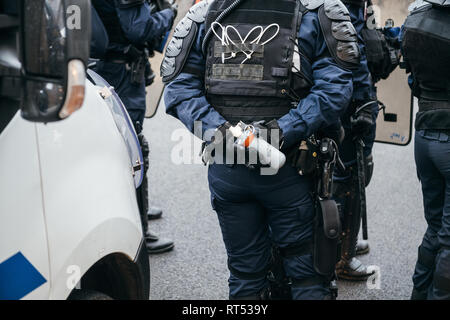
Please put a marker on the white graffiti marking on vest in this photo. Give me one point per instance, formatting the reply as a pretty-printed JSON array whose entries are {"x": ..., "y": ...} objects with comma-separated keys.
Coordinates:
[{"x": 226, "y": 40}]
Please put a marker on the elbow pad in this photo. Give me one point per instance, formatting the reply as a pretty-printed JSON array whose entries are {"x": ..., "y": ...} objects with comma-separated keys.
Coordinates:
[
  {"x": 339, "y": 33},
  {"x": 181, "y": 43}
]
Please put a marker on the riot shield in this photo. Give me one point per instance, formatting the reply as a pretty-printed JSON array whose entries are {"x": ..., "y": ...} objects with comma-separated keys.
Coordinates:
[
  {"x": 155, "y": 90},
  {"x": 394, "y": 124}
]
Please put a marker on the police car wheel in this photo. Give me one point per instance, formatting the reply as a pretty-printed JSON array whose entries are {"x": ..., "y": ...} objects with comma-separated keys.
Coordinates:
[{"x": 88, "y": 295}]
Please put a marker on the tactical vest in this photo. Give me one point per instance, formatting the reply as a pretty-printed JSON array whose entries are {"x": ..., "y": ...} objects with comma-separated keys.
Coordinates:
[
  {"x": 253, "y": 65},
  {"x": 242, "y": 87},
  {"x": 426, "y": 46}
]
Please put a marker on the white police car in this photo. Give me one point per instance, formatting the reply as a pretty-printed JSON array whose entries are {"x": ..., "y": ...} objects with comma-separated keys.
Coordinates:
[{"x": 69, "y": 220}]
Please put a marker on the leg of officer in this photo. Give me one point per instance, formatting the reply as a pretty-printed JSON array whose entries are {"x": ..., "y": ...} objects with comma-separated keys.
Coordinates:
[
  {"x": 290, "y": 214},
  {"x": 432, "y": 274},
  {"x": 346, "y": 192},
  {"x": 433, "y": 185},
  {"x": 245, "y": 231},
  {"x": 441, "y": 282}
]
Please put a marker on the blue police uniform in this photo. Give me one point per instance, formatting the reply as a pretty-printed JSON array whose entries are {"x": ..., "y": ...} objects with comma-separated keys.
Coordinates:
[
  {"x": 99, "y": 37},
  {"x": 255, "y": 209},
  {"x": 429, "y": 25},
  {"x": 137, "y": 26}
]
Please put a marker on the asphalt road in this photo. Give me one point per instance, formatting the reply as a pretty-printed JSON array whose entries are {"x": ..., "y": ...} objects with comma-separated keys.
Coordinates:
[{"x": 196, "y": 268}]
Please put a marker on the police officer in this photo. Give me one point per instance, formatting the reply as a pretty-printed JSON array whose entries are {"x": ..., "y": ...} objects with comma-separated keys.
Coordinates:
[
  {"x": 133, "y": 29},
  {"x": 269, "y": 63},
  {"x": 359, "y": 121},
  {"x": 426, "y": 48}
]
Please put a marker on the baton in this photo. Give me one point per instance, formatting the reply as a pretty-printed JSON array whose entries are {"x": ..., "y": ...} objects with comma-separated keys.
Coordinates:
[{"x": 362, "y": 185}]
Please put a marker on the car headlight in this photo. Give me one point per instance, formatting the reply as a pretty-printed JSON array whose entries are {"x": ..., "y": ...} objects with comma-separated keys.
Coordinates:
[{"x": 124, "y": 125}]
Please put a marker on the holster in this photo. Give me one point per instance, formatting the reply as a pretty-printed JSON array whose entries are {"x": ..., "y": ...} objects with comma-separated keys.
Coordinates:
[
  {"x": 304, "y": 158},
  {"x": 348, "y": 192},
  {"x": 138, "y": 60},
  {"x": 326, "y": 237}
]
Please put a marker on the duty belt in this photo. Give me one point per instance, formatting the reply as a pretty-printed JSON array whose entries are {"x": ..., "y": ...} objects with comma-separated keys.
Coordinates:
[
  {"x": 443, "y": 95},
  {"x": 441, "y": 135},
  {"x": 116, "y": 57},
  {"x": 431, "y": 105}
]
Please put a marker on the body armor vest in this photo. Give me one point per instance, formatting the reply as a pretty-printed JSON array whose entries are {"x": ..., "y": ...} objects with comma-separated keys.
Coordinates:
[
  {"x": 253, "y": 62},
  {"x": 249, "y": 60},
  {"x": 426, "y": 46}
]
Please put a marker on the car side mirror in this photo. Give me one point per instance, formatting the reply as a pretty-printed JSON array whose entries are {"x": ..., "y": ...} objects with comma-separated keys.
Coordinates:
[{"x": 55, "y": 39}]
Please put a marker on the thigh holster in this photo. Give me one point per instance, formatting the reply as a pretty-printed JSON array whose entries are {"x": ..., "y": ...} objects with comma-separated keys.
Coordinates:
[{"x": 326, "y": 237}]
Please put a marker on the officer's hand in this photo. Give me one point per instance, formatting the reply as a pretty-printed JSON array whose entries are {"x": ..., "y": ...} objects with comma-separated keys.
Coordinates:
[
  {"x": 362, "y": 120},
  {"x": 335, "y": 132},
  {"x": 216, "y": 147},
  {"x": 170, "y": 4},
  {"x": 269, "y": 131}
]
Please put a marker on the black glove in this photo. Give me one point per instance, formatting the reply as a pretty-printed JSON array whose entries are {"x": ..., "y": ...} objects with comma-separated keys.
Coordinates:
[
  {"x": 221, "y": 140},
  {"x": 335, "y": 131},
  {"x": 362, "y": 120},
  {"x": 170, "y": 4},
  {"x": 269, "y": 131}
]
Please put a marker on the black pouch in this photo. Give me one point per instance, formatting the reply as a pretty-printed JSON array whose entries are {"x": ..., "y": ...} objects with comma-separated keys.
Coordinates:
[
  {"x": 137, "y": 61},
  {"x": 137, "y": 71},
  {"x": 326, "y": 237},
  {"x": 304, "y": 158}
]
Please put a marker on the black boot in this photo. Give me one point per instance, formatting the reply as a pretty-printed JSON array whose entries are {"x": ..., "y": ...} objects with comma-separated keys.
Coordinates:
[
  {"x": 157, "y": 245},
  {"x": 350, "y": 268},
  {"x": 154, "y": 213},
  {"x": 362, "y": 247},
  {"x": 353, "y": 270}
]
